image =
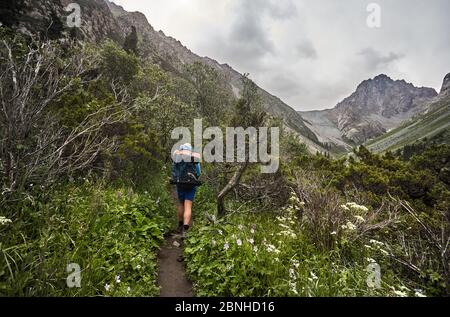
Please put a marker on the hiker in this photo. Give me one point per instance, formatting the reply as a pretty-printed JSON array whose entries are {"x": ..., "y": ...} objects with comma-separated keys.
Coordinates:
[{"x": 185, "y": 173}]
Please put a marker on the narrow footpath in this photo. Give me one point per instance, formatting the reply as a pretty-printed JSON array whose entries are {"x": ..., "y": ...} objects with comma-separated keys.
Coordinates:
[{"x": 172, "y": 278}]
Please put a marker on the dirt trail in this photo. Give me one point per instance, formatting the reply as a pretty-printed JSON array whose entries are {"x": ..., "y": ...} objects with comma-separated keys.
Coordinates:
[{"x": 172, "y": 277}]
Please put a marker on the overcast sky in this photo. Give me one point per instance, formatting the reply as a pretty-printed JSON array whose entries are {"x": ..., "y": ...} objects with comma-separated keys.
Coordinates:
[{"x": 311, "y": 54}]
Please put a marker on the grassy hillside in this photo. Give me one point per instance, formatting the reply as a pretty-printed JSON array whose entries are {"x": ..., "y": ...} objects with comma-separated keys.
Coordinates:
[{"x": 427, "y": 125}]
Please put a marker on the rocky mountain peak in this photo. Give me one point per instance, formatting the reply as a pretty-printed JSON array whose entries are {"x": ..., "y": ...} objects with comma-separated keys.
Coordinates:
[
  {"x": 445, "y": 90},
  {"x": 383, "y": 77},
  {"x": 378, "y": 104}
]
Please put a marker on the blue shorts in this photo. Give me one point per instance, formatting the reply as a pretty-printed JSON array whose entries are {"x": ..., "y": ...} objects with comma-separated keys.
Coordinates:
[{"x": 186, "y": 194}]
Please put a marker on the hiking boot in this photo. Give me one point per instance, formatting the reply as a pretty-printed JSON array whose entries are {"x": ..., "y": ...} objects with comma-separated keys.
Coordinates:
[
  {"x": 179, "y": 230},
  {"x": 184, "y": 234}
]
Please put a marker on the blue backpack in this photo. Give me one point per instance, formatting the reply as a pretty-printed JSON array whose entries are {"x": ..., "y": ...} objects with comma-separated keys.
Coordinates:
[{"x": 184, "y": 174}]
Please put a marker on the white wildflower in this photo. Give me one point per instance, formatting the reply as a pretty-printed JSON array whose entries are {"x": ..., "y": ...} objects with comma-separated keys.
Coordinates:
[
  {"x": 107, "y": 287},
  {"x": 313, "y": 276},
  {"x": 117, "y": 279},
  {"x": 255, "y": 249},
  {"x": 370, "y": 260},
  {"x": 296, "y": 263},
  {"x": 4, "y": 220},
  {"x": 345, "y": 207},
  {"x": 251, "y": 241},
  {"x": 360, "y": 219},
  {"x": 355, "y": 206},
  {"x": 293, "y": 287},
  {"x": 284, "y": 226},
  {"x": 333, "y": 233},
  {"x": 292, "y": 274},
  {"x": 419, "y": 293},
  {"x": 226, "y": 246},
  {"x": 400, "y": 293},
  {"x": 239, "y": 242},
  {"x": 377, "y": 243},
  {"x": 252, "y": 231},
  {"x": 288, "y": 233},
  {"x": 384, "y": 252},
  {"x": 350, "y": 226},
  {"x": 272, "y": 249}
]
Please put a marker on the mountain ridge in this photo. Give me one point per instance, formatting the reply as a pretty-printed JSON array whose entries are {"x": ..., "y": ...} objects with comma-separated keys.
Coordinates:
[
  {"x": 435, "y": 120},
  {"x": 103, "y": 19},
  {"x": 179, "y": 55},
  {"x": 376, "y": 106}
]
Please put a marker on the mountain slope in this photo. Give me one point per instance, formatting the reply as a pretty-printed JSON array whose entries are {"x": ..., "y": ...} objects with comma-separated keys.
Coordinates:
[
  {"x": 158, "y": 45},
  {"x": 103, "y": 19},
  {"x": 435, "y": 120},
  {"x": 377, "y": 105}
]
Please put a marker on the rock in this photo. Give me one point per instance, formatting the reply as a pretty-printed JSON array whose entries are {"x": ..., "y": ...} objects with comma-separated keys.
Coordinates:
[
  {"x": 377, "y": 105},
  {"x": 176, "y": 244},
  {"x": 445, "y": 90}
]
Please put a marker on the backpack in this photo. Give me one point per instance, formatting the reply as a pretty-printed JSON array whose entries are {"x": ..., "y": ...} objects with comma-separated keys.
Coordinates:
[{"x": 184, "y": 175}]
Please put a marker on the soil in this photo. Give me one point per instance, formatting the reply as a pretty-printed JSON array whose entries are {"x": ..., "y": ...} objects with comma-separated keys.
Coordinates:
[{"x": 172, "y": 278}]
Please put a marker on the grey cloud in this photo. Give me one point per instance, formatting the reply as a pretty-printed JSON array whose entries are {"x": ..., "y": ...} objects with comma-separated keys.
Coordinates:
[
  {"x": 307, "y": 50},
  {"x": 249, "y": 29},
  {"x": 248, "y": 32},
  {"x": 375, "y": 59},
  {"x": 269, "y": 40},
  {"x": 282, "y": 9},
  {"x": 286, "y": 84}
]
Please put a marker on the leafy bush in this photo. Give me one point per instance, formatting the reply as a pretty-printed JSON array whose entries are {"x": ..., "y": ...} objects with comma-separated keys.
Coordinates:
[
  {"x": 112, "y": 233},
  {"x": 257, "y": 255}
]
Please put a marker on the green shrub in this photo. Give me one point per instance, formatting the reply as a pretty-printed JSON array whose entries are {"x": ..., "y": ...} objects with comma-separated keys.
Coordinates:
[{"x": 112, "y": 233}]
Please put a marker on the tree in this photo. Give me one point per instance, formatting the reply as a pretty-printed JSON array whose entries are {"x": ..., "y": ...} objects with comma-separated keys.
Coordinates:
[
  {"x": 116, "y": 64},
  {"x": 10, "y": 11},
  {"x": 34, "y": 146},
  {"x": 131, "y": 42},
  {"x": 212, "y": 97},
  {"x": 55, "y": 27},
  {"x": 247, "y": 113}
]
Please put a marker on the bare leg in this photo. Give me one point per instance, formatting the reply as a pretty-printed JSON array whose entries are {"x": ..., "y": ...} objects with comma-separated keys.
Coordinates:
[
  {"x": 187, "y": 212},
  {"x": 180, "y": 212}
]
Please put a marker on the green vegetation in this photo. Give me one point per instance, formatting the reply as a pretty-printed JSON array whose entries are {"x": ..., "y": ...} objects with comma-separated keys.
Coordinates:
[
  {"x": 112, "y": 233},
  {"x": 84, "y": 165},
  {"x": 424, "y": 126},
  {"x": 339, "y": 219}
]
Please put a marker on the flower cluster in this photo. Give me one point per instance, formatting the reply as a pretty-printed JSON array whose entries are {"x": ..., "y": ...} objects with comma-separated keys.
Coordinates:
[
  {"x": 377, "y": 246},
  {"x": 289, "y": 219},
  {"x": 117, "y": 280},
  {"x": 271, "y": 248},
  {"x": 349, "y": 226},
  {"x": 355, "y": 207},
  {"x": 4, "y": 220}
]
